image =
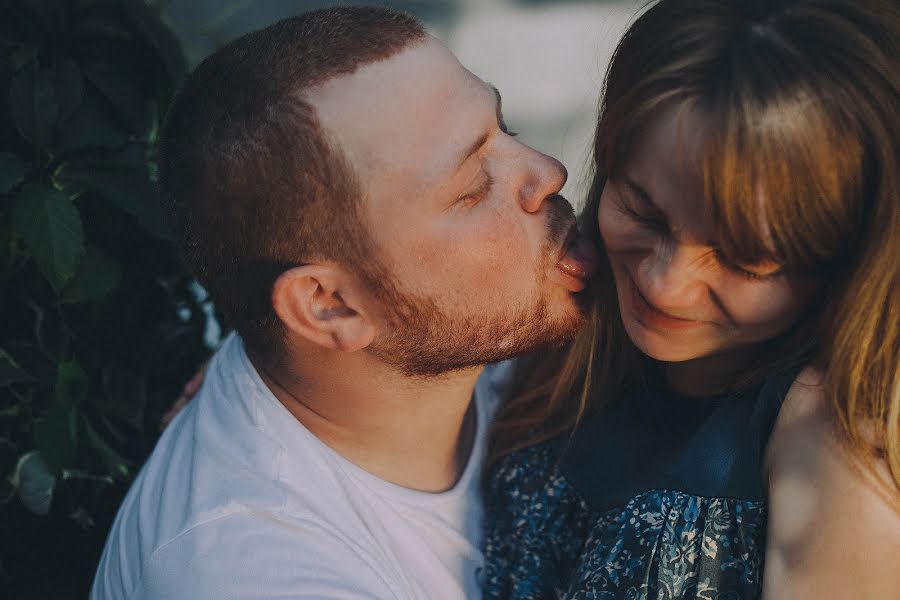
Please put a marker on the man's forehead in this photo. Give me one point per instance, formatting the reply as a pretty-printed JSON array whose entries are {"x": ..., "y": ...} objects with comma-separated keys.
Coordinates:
[
  {"x": 419, "y": 75},
  {"x": 420, "y": 100}
]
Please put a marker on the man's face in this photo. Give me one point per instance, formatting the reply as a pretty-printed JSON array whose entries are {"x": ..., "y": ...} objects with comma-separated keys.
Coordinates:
[{"x": 465, "y": 217}]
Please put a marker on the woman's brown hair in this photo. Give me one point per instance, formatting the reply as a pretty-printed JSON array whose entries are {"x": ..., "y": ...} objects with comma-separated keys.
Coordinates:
[{"x": 802, "y": 102}]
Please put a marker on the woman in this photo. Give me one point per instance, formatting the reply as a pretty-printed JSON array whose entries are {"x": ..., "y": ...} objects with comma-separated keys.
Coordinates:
[{"x": 740, "y": 370}]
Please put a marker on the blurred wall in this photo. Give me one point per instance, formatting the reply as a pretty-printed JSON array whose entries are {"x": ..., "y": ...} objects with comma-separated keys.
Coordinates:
[{"x": 546, "y": 57}]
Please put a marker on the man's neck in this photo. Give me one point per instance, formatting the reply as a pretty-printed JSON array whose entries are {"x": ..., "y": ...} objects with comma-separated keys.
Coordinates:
[{"x": 412, "y": 431}]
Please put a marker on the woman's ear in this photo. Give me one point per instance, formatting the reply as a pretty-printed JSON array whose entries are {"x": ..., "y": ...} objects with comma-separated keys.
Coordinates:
[{"x": 318, "y": 303}]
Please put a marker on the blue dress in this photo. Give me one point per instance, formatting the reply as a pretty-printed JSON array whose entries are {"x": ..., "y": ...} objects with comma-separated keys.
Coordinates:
[{"x": 659, "y": 496}]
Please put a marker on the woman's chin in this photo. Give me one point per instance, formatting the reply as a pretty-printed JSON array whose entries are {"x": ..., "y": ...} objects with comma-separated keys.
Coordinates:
[{"x": 662, "y": 346}]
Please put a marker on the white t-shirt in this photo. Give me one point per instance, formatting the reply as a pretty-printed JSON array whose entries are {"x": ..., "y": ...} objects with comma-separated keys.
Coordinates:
[{"x": 240, "y": 501}]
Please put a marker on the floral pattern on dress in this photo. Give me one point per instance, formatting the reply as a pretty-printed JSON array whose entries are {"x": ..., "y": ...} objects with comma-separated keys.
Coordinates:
[
  {"x": 543, "y": 540},
  {"x": 536, "y": 526}
]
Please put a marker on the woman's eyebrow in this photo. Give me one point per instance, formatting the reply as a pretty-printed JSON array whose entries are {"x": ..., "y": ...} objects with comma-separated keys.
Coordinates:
[{"x": 641, "y": 193}]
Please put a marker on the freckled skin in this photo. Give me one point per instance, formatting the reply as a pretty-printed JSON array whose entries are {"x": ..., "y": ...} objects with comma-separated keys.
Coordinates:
[{"x": 676, "y": 270}]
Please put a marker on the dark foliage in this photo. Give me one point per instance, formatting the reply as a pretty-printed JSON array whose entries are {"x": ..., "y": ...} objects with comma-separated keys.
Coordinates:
[{"x": 100, "y": 323}]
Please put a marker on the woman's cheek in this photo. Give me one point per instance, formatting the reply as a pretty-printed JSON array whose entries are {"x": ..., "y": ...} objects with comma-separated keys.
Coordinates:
[
  {"x": 767, "y": 307},
  {"x": 615, "y": 229}
]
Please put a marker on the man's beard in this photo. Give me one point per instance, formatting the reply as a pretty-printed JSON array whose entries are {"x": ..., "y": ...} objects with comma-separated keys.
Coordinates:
[{"x": 423, "y": 340}]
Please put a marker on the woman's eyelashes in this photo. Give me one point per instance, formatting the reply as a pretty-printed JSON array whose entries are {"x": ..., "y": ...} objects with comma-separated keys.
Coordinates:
[
  {"x": 738, "y": 269},
  {"x": 655, "y": 222},
  {"x": 647, "y": 219}
]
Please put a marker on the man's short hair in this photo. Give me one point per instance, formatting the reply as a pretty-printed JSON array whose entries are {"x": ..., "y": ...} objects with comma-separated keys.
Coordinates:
[{"x": 251, "y": 185}]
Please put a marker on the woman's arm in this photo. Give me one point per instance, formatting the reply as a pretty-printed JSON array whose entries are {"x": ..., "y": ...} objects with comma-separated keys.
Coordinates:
[
  {"x": 833, "y": 532},
  {"x": 187, "y": 393}
]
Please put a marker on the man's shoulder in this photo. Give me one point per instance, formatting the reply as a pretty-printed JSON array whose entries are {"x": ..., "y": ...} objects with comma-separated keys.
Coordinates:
[
  {"x": 205, "y": 466},
  {"x": 220, "y": 475},
  {"x": 249, "y": 554},
  {"x": 200, "y": 523}
]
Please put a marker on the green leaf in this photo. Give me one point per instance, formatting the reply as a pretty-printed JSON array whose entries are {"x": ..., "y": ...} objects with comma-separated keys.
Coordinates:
[
  {"x": 12, "y": 171},
  {"x": 120, "y": 435},
  {"x": 120, "y": 88},
  {"x": 71, "y": 383},
  {"x": 125, "y": 184},
  {"x": 105, "y": 25},
  {"x": 6, "y": 69},
  {"x": 148, "y": 20},
  {"x": 49, "y": 224},
  {"x": 49, "y": 14},
  {"x": 126, "y": 393},
  {"x": 25, "y": 29},
  {"x": 117, "y": 464},
  {"x": 34, "y": 482},
  {"x": 33, "y": 359},
  {"x": 69, "y": 86},
  {"x": 96, "y": 276},
  {"x": 9, "y": 248},
  {"x": 89, "y": 126},
  {"x": 33, "y": 105},
  {"x": 25, "y": 54},
  {"x": 56, "y": 440},
  {"x": 10, "y": 371},
  {"x": 8, "y": 463}
]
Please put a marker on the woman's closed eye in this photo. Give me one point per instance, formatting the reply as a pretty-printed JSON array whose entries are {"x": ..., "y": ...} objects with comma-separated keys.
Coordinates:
[
  {"x": 648, "y": 217},
  {"x": 651, "y": 220},
  {"x": 760, "y": 272}
]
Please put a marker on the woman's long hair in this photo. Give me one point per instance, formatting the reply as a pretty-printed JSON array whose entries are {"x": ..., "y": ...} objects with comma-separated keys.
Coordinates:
[{"x": 802, "y": 102}]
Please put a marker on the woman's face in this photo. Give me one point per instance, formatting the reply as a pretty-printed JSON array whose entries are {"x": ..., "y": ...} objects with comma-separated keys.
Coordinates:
[{"x": 679, "y": 300}]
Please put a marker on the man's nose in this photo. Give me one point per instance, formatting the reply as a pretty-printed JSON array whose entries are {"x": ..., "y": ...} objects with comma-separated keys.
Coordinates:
[
  {"x": 545, "y": 177},
  {"x": 674, "y": 277}
]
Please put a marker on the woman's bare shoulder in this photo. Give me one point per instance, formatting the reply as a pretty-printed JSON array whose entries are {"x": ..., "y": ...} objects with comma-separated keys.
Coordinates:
[{"x": 834, "y": 526}]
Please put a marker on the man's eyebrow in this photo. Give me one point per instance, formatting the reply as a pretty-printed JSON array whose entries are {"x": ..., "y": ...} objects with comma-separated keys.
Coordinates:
[
  {"x": 499, "y": 100},
  {"x": 477, "y": 144}
]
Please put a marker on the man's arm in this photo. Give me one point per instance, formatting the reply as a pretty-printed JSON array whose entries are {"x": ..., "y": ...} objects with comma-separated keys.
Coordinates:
[{"x": 833, "y": 533}]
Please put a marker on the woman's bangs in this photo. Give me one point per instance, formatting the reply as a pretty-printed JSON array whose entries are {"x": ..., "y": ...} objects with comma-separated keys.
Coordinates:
[
  {"x": 775, "y": 186},
  {"x": 739, "y": 197}
]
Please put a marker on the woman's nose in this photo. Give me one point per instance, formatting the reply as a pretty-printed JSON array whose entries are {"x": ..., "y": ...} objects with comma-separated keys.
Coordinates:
[{"x": 674, "y": 278}]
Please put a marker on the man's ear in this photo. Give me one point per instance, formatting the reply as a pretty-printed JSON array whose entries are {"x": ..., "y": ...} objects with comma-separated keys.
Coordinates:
[{"x": 321, "y": 304}]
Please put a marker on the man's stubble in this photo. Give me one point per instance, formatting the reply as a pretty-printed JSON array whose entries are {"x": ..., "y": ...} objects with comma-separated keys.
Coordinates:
[{"x": 421, "y": 339}]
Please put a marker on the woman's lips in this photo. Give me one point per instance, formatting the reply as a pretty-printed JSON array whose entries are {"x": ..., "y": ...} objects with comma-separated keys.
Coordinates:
[
  {"x": 578, "y": 261},
  {"x": 650, "y": 316}
]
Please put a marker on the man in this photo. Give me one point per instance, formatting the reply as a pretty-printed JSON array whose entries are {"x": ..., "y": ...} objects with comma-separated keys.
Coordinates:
[{"x": 349, "y": 195}]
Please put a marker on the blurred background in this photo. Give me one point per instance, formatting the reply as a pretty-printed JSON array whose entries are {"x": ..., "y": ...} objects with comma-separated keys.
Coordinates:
[
  {"x": 547, "y": 57},
  {"x": 101, "y": 324}
]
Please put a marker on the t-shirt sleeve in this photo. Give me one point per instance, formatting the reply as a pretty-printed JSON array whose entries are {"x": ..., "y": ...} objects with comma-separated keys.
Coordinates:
[{"x": 254, "y": 557}]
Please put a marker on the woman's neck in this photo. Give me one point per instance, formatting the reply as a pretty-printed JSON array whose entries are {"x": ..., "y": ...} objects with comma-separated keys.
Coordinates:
[{"x": 706, "y": 376}]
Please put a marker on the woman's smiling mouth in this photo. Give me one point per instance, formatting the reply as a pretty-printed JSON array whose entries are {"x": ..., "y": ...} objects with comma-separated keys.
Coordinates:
[{"x": 652, "y": 317}]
